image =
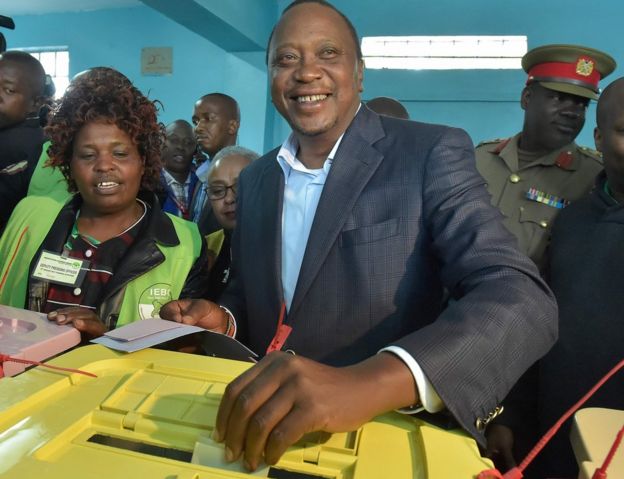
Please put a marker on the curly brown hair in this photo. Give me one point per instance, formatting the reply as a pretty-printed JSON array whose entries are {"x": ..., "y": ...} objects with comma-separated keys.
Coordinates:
[{"x": 104, "y": 94}]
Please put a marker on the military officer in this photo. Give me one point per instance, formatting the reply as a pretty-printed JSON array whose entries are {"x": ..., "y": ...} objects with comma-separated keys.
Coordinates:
[{"x": 534, "y": 174}]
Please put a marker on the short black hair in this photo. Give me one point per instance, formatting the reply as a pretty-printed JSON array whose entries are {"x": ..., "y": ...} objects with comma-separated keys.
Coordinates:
[
  {"x": 230, "y": 103},
  {"x": 352, "y": 30},
  {"x": 604, "y": 109},
  {"x": 36, "y": 73}
]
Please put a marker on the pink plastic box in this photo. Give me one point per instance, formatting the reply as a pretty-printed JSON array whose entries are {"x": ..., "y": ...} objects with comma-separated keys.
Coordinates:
[{"x": 29, "y": 335}]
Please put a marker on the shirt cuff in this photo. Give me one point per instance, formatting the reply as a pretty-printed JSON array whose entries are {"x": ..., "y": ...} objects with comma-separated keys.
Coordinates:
[
  {"x": 231, "y": 327},
  {"x": 429, "y": 398}
]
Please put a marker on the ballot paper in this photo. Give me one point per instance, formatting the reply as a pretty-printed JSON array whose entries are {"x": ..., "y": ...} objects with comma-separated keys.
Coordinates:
[
  {"x": 153, "y": 331},
  {"x": 210, "y": 453}
]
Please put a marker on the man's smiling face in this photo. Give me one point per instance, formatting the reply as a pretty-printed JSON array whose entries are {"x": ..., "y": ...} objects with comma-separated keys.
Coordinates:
[{"x": 316, "y": 78}]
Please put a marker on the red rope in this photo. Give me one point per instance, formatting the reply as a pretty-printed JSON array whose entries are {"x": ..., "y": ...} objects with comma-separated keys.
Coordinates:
[
  {"x": 6, "y": 358},
  {"x": 601, "y": 472},
  {"x": 516, "y": 472}
]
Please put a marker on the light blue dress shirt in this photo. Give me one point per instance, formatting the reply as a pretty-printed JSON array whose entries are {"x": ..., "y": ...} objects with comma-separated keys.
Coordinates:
[{"x": 302, "y": 191}]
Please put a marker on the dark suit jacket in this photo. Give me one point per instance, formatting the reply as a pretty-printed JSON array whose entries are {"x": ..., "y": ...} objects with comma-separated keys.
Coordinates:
[
  {"x": 20, "y": 148},
  {"x": 402, "y": 215}
]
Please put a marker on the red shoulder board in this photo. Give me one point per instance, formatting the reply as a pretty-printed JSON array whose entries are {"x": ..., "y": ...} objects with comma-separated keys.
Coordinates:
[
  {"x": 501, "y": 146},
  {"x": 564, "y": 160}
]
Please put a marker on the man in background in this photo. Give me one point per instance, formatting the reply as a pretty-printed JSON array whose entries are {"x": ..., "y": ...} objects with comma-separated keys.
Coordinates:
[
  {"x": 534, "y": 174},
  {"x": 387, "y": 106},
  {"x": 177, "y": 178},
  {"x": 216, "y": 118},
  {"x": 22, "y": 81},
  {"x": 586, "y": 264}
]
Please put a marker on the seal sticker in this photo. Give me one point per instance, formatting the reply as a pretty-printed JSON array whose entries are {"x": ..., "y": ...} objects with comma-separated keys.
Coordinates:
[
  {"x": 154, "y": 298},
  {"x": 584, "y": 66}
]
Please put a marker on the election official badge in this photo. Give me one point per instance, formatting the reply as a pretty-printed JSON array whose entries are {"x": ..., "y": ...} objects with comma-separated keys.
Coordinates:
[
  {"x": 584, "y": 66},
  {"x": 153, "y": 298}
]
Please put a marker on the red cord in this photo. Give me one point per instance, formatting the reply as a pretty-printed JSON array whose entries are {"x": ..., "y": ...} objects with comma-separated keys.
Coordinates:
[
  {"x": 601, "y": 472},
  {"x": 516, "y": 472},
  {"x": 6, "y": 358}
]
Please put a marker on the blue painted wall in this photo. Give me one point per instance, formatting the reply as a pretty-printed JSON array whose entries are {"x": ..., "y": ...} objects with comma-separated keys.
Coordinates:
[
  {"x": 115, "y": 38},
  {"x": 484, "y": 102}
]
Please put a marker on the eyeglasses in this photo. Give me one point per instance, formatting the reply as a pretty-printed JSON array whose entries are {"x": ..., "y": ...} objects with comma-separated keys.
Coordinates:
[{"x": 217, "y": 192}]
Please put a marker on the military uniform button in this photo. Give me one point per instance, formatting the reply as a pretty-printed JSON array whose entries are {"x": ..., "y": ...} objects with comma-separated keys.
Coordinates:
[
  {"x": 88, "y": 253},
  {"x": 544, "y": 224},
  {"x": 77, "y": 291},
  {"x": 514, "y": 178}
]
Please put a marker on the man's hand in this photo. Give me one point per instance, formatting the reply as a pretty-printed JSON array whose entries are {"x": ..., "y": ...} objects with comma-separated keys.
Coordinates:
[
  {"x": 196, "y": 312},
  {"x": 83, "y": 319},
  {"x": 500, "y": 440},
  {"x": 273, "y": 404}
]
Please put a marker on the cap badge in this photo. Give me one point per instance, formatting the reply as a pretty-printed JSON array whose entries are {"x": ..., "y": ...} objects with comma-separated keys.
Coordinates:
[{"x": 584, "y": 66}]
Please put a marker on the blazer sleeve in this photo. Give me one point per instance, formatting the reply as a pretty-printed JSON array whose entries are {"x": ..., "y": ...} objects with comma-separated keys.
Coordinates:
[
  {"x": 501, "y": 316},
  {"x": 233, "y": 295}
]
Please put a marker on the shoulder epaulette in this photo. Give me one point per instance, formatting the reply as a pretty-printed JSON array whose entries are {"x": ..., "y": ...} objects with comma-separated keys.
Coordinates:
[
  {"x": 490, "y": 142},
  {"x": 594, "y": 154}
]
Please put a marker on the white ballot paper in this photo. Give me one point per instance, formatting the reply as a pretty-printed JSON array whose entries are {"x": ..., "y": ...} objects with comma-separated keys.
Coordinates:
[
  {"x": 210, "y": 453},
  {"x": 153, "y": 331}
]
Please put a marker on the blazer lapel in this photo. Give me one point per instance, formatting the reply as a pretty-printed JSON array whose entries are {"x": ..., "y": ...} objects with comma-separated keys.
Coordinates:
[{"x": 354, "y": 164}]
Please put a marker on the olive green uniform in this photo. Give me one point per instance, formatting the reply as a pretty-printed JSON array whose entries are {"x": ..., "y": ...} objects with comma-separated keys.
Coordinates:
[{"x": 531, "y": 194}]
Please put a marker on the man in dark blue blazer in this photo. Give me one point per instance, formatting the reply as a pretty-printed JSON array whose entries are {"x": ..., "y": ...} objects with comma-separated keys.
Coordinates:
[{"x": 355, "y": 227}]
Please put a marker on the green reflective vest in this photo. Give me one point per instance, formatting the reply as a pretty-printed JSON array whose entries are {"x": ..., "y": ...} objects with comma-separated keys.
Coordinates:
[
  {"x": 142, "y": 297},
  {"x": 48, "y": 181}
]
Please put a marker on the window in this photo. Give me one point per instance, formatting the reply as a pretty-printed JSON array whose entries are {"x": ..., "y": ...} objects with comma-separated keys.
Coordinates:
[
  {"x": 444, "y": 52},
  {"x": 55, "y": 61}
]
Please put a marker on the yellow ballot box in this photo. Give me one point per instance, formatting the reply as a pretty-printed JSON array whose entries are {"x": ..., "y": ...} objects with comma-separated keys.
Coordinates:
[
  {"x": 592, "y": 435},
  {"x": 150, "y": 414}
]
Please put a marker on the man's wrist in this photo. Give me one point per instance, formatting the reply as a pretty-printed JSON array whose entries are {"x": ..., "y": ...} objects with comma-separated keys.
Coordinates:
[{"x": 390, "y": 382}]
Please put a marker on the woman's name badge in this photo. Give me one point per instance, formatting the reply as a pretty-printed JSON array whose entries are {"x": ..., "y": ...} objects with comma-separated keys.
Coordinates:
[{"x": 58, "y": 269}]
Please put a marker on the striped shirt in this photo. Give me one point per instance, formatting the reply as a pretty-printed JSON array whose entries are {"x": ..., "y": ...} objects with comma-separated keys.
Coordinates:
[{"x": 103, "y": 258}]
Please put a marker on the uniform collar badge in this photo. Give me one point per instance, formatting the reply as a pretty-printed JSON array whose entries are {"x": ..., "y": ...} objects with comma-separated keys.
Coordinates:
[
  {"x": 501, "y": 146},
  {"x": 564, "y": 160}
]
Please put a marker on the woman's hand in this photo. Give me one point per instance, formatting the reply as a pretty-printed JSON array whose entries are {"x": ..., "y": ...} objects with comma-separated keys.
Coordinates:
[{"x": 83, "y": 319}]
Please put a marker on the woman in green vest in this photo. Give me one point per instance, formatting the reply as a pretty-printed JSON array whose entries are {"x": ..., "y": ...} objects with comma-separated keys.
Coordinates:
[{"x": 108, "y": 256}]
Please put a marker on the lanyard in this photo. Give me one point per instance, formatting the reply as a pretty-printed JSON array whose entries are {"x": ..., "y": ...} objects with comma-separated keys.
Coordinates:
[
  {"x": 282, "y": 332},
  {"x": 181, "y": 206}
]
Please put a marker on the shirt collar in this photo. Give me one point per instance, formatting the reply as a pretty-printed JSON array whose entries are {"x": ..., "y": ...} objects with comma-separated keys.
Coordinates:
[
  {"x": 170, "y": 179},
  {"x": 287, "y": 155}
]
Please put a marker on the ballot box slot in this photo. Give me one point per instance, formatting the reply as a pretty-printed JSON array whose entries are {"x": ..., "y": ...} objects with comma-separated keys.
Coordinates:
[
  {"x": 275, "y": 473},
  {"x": 141, "y": 447}
]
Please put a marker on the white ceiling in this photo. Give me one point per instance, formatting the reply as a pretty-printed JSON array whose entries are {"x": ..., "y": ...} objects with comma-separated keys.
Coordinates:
[{"x": 37, "y": 7}]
